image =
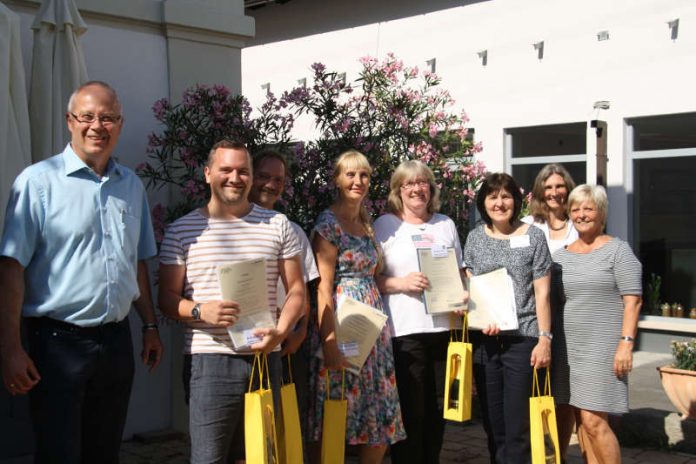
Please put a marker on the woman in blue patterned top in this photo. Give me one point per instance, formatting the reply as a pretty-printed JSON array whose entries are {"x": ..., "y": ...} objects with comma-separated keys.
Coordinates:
[{"x": 503, "y": 361}]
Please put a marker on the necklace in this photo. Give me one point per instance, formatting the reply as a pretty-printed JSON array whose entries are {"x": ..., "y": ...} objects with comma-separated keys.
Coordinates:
[{"x": 556, "y": 229}]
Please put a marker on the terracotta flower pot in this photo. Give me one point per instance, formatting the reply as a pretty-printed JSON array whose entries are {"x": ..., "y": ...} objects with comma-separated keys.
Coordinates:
[{"x": 680, "y": 387}]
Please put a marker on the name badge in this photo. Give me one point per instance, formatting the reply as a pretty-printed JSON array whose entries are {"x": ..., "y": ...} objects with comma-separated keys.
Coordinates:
[
  {"x": 519, "y": 241},
  {"x": 349, "y": 349},
  {"x": 439, "y": 250}
]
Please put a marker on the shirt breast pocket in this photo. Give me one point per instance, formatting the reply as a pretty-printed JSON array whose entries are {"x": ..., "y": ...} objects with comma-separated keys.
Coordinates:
[{"x": 130, "y": 232}]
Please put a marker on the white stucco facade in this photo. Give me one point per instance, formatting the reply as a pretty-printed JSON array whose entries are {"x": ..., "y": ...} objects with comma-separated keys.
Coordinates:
[{"x": 640, "y": 70}]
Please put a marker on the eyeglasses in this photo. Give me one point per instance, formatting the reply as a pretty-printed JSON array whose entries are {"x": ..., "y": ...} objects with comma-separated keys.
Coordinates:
[
  {"x": 410, "y": 185},
  {"x": 106, "y": 120}
]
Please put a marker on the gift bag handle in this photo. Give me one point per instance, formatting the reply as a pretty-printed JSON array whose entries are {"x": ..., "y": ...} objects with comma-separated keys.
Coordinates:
[
  {"x": 289, "y": 372},
  {"x": 536, "y": 391},
  {"x": 260, "y": 362},
  {"x": 465, "y": 328},
  {"x": 328, "y": 384}
]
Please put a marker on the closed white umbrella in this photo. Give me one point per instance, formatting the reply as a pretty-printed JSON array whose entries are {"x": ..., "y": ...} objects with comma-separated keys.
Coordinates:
[
  {"x": 58, "y": 68},
  {"x": 15, "y": 148}
]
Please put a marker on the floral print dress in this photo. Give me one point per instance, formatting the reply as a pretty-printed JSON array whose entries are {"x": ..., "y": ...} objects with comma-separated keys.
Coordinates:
[{"x": 374, "y": 414}]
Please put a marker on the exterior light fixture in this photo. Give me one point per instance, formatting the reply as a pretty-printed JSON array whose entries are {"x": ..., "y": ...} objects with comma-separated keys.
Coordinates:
[
  {"x": 266, "y": 87},
  {"x": 302, "y": 82},
  {"x": 432, "y": 64},
  {"x": 602, "y": 35},
  {"x": 483, "y": 55},
  {"x": 539, "y": 47},
  {"x": 601, "y": 105},
  {"x": 674, "y": 28}
]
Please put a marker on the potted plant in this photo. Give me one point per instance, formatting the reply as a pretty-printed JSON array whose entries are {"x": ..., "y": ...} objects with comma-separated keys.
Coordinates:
[{"x": 679, "y": 379}]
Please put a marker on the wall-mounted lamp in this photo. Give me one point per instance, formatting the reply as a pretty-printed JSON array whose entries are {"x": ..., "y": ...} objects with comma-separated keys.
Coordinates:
[
  {"x": 266, "y": 87},
  {"x": 342, "y": 77},
  {"x": 432, "y": 64},
  {"x": 674, "y": 28},
  {"x": 601, "y": 105},
  {"x": 602, "y": 35},
  {"x": 539, "y": 47},
  {"x": 483, "y": 55},
  {"x": 302, "y": 82}
]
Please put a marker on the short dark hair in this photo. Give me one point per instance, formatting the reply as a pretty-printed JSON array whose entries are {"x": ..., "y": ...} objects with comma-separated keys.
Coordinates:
[
  {"x": 262, "y": 156},
  {"x": 494, "y": 183},
  {"x": 229, "y": 144}
]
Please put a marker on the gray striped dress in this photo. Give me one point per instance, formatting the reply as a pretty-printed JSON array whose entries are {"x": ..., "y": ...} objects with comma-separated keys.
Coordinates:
[{"x": 587, "y": 326}]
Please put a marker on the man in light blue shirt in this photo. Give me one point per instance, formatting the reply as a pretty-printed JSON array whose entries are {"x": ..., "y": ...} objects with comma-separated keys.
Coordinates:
[{"x": 72, "y": 261}]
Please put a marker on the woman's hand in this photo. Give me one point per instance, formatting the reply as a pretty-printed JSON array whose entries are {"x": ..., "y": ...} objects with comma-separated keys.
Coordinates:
[
  {"x": 623, "y": 359},
  {"x": 333, "y": 358},
  {"x": 414, "y": 282},
  {"x": 541, "y": 354},
  {"x": 492, "y": 330}
]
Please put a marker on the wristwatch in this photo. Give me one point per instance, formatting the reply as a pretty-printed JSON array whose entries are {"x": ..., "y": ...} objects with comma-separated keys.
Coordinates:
[
  {"x": 544, "y": 333},
  {"x": 196, "y": 312}
]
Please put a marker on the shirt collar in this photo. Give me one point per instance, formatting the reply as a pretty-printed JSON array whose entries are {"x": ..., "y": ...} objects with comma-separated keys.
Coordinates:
[{"x": 73, "y": 163}]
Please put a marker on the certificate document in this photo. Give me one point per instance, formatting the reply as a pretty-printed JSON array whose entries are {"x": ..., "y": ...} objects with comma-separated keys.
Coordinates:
[
  {"x": 446, "y": 292},
  {"x": 492, "y": 301},
  {"x": 245, "y": 283},
  {"x": 357, "y": 328}
]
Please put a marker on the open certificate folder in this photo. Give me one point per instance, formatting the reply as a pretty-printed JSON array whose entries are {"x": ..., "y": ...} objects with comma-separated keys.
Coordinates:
[
  {"x": 245, "y": 283},
  {"x": 357, "y": 328},
  {"x": 492, "y": 301},
  {"x": 446, "y": 292}
]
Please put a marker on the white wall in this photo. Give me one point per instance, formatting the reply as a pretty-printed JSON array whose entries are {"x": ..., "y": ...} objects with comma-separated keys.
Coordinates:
[{"x": 640, "y": 70}]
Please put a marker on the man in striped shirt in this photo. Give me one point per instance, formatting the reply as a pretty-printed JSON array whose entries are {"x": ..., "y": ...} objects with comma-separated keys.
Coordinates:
[{"x": 228, "y": 229}]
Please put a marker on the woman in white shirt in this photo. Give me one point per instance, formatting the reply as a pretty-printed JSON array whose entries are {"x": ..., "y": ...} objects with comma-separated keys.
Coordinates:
[
  {"x": 420, "y": 340},
  {"x": 549, "y": 212},
  {"x": 548, "y": 206}
]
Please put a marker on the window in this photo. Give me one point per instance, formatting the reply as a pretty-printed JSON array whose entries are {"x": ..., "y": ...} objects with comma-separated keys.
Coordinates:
[
  {"x": 663, "y": 164},
  {"x": 528, "y": 149}
]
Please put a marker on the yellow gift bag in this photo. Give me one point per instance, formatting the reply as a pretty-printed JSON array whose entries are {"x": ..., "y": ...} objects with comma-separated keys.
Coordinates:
[
  {"x": 458, "y": 376},
  {"x": 259, "y": 421},
  {"x": 289, "y": 433},
  {"x": 333, "y": 430},
  {"x": 542, "y": 424}
]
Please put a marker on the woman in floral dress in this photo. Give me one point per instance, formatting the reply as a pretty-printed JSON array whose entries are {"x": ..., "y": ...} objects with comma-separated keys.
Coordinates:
[{"x": 347, "y": 257}]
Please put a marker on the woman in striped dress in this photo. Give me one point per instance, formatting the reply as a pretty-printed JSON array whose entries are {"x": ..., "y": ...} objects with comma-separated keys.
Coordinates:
[{"x": 601, "y": 285}]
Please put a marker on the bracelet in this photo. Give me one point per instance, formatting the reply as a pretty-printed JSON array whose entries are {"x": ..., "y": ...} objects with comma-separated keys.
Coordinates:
[
  {"x": 149, "y": 326},
  {"x": 628, "y": 338},
  {"x": 547, "y": 334}
]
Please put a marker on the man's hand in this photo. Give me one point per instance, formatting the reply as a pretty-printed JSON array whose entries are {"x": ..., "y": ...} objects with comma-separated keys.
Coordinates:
[
  {"x": 152, "y": 349},
  {"x": 223, "y": 313},
  {"x": 18, "y": 371},
  {"x": 270, "y": 338}
]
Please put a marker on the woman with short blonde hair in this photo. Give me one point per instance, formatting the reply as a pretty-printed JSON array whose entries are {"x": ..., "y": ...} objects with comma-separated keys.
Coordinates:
[
  {"x": 420, "y": 339},
  {"x": 600, "y": 281}
]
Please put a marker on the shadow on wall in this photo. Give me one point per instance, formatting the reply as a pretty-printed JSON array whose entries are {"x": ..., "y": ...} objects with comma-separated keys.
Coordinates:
[{"x": 301, "y": 18}]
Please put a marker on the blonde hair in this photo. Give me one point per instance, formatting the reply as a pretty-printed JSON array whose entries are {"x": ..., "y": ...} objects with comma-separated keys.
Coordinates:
[
  {"x": 353, "y": 159},
  {"x": 594, "y": 193},
  {"x": 538, "y": 207},
  {"x": 408, "y": 170}
]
